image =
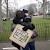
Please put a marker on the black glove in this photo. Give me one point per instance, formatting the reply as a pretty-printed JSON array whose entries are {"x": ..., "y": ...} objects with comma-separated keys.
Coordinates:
[
  {"x": 25, "y": 28},
  {"x": 26, "y": 20},
  {"x": 32, "y": 26}
]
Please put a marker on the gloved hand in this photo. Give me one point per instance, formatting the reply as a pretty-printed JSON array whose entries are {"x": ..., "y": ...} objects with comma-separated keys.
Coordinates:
[
  {"x": 31, "y": 27},
  {"x": 26, "y": 20},
  {"x": 25, "y": 28}
]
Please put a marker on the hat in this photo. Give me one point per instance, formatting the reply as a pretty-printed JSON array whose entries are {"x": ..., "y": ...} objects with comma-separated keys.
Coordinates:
[{"x": 25, "y": 11}]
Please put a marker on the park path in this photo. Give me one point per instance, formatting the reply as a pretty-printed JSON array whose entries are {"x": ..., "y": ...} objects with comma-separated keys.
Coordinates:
[{"x": 40, "y": 45}]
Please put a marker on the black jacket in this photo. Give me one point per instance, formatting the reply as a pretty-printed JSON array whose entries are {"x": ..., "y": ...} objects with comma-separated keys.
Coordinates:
[{"x": 25, "y": 22}]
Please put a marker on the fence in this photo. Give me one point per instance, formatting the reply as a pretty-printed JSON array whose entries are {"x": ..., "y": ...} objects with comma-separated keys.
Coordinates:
[{"x": 43, "y": 30}]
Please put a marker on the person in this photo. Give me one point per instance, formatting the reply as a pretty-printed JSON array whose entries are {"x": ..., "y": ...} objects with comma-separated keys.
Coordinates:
[
  {"x": 31, "y": 44},
  {"x": 22, "y": 19},
  {"x": 18, "y": 20}
]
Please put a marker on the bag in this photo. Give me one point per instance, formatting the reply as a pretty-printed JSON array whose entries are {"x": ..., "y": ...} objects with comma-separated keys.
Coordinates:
[{"x": 35, "y": 34}]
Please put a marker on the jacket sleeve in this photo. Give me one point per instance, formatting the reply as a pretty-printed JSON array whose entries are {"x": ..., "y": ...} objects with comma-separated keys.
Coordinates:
[
  {"x": 29, "y": 26},
  {"x": 16, "y": 21},
  {"x": 26, "y": 20}
]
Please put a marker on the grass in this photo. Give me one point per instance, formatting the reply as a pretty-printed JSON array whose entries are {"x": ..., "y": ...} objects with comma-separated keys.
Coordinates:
[
  {"x": 40, "y": 20},
  {"x": 5, "y": 35},
  {"x": 7, "y": 32}
]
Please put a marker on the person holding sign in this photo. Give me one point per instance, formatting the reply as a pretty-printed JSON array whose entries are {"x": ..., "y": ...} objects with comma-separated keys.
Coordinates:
[{"x": 22, "y": 19}]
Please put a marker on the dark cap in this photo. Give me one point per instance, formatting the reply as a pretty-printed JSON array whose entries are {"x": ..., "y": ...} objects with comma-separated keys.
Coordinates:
[{"x": 25, "y": 11}]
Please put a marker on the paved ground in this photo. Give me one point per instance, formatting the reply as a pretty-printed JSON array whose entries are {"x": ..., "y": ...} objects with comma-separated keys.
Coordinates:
[{"x": 40, "y": 45}]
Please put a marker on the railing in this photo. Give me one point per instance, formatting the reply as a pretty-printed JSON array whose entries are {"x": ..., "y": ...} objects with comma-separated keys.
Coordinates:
[{"x": 43, "y": 30}]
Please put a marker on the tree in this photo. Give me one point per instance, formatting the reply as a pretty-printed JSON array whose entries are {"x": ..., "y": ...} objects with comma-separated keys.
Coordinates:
[
  {"x": 6, "y": 1},
  {"x": 30, "y": 9},
  {"x": 44, "y": 8},
  {"x": 1, "y": 22}
]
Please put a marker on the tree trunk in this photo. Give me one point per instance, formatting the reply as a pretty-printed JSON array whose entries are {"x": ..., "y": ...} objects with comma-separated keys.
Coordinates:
[
  {"x": 6, "y": 9},
  {"x": 44, "y": 8},
  {"x": 1, "y": 22}
]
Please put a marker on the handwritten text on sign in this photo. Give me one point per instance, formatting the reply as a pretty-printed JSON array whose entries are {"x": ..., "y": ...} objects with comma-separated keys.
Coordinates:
[{"x": 20, "y": 35}]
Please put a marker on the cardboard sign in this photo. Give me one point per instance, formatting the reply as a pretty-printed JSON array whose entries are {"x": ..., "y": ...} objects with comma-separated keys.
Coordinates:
[{"x": 19, "y": 36}]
